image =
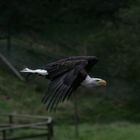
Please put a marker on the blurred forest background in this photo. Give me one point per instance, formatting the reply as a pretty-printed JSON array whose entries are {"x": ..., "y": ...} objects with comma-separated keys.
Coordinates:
[{"x": 44, "y": 31}]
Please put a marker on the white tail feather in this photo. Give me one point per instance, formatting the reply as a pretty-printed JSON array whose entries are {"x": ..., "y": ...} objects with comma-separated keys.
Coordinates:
[
  {"x": 26, "y": 70},
  {"x": 37, "y": 71}
]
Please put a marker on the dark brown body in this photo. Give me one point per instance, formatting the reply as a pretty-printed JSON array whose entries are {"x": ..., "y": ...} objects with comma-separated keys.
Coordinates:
[{"x": 65, "y": 76}]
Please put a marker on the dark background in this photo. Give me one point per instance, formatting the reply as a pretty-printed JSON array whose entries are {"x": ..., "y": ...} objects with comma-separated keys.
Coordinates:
[{"x": 42, "y": 31}]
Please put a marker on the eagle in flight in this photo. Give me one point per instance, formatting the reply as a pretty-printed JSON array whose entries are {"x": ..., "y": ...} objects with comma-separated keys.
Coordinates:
[{"x": 65, "y": 76}]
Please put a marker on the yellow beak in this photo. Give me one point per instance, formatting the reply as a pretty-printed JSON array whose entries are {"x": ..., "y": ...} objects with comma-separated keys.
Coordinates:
[{"x": 102, "y": 83}]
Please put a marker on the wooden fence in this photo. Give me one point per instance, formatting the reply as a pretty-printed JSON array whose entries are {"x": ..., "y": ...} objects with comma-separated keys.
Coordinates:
[{"x": 11, "y": 124}]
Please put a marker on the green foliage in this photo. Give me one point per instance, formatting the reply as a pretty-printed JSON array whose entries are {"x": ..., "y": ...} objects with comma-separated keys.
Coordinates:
[
  {"x": 114, "y": 131},
  {"x": 37, "y": 15},
  {"x": 45, "y": 31},
  {"x": 56, "y": 29}
]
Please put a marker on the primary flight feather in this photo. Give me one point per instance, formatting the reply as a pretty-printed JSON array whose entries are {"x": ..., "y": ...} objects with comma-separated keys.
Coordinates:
[{"x": 65, "y": 76}]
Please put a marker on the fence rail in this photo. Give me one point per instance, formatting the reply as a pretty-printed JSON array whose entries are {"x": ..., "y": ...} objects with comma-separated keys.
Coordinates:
[{"x": 44, "y": 126}]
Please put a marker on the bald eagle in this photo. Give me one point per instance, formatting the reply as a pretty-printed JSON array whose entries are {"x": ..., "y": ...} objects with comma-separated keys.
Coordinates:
[{"x": 65, "y": 76}]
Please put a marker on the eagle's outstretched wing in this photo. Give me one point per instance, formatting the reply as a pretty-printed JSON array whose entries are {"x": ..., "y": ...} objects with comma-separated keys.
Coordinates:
[
  {"x": 62, "y": 66},
  {"x": 66, "y": 75},
  {"x": 61, "y": 88}
]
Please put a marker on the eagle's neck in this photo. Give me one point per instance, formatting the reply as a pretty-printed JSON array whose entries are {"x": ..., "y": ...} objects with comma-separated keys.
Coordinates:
[{"x": 89, "y": 82}]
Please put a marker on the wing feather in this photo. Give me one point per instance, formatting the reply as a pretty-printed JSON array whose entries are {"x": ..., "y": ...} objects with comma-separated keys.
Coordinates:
[
  {"x": 52, "y": 86},
  {"x": 54, "y": 98},
  {"x": 62, "y": 87},
  {"x": 62, "y": 66},
  {"x": 58, "y": 97}
]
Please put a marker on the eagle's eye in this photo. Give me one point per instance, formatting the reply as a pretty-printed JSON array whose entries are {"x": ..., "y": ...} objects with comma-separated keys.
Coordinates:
[{"x": 97, "y": 80}]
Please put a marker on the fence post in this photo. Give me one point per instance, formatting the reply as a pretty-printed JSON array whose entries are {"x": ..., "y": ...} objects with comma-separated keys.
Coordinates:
[
  {"x": 4, "y": 134},
  {"x": 50, "y": 130},
  {"x": 48, "y": 133},
  {"x": 11, "y": 121}
]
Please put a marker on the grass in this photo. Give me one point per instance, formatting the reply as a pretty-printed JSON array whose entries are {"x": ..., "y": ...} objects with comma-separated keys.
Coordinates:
[
  {"x": 25, "y": 98},
  {"x": 16, "y": 94},
  {"x": 99, "y": 111},
  {"x": 93, "y": 131},
  {"x": 113, "y": 131}
]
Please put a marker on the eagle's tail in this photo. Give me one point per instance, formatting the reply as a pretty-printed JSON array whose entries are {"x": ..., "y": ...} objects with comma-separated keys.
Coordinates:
[{"x": 37, "y": 71}]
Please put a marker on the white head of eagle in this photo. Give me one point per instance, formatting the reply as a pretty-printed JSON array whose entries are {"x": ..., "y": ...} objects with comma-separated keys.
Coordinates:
[{"x": 65, "y": 76}]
